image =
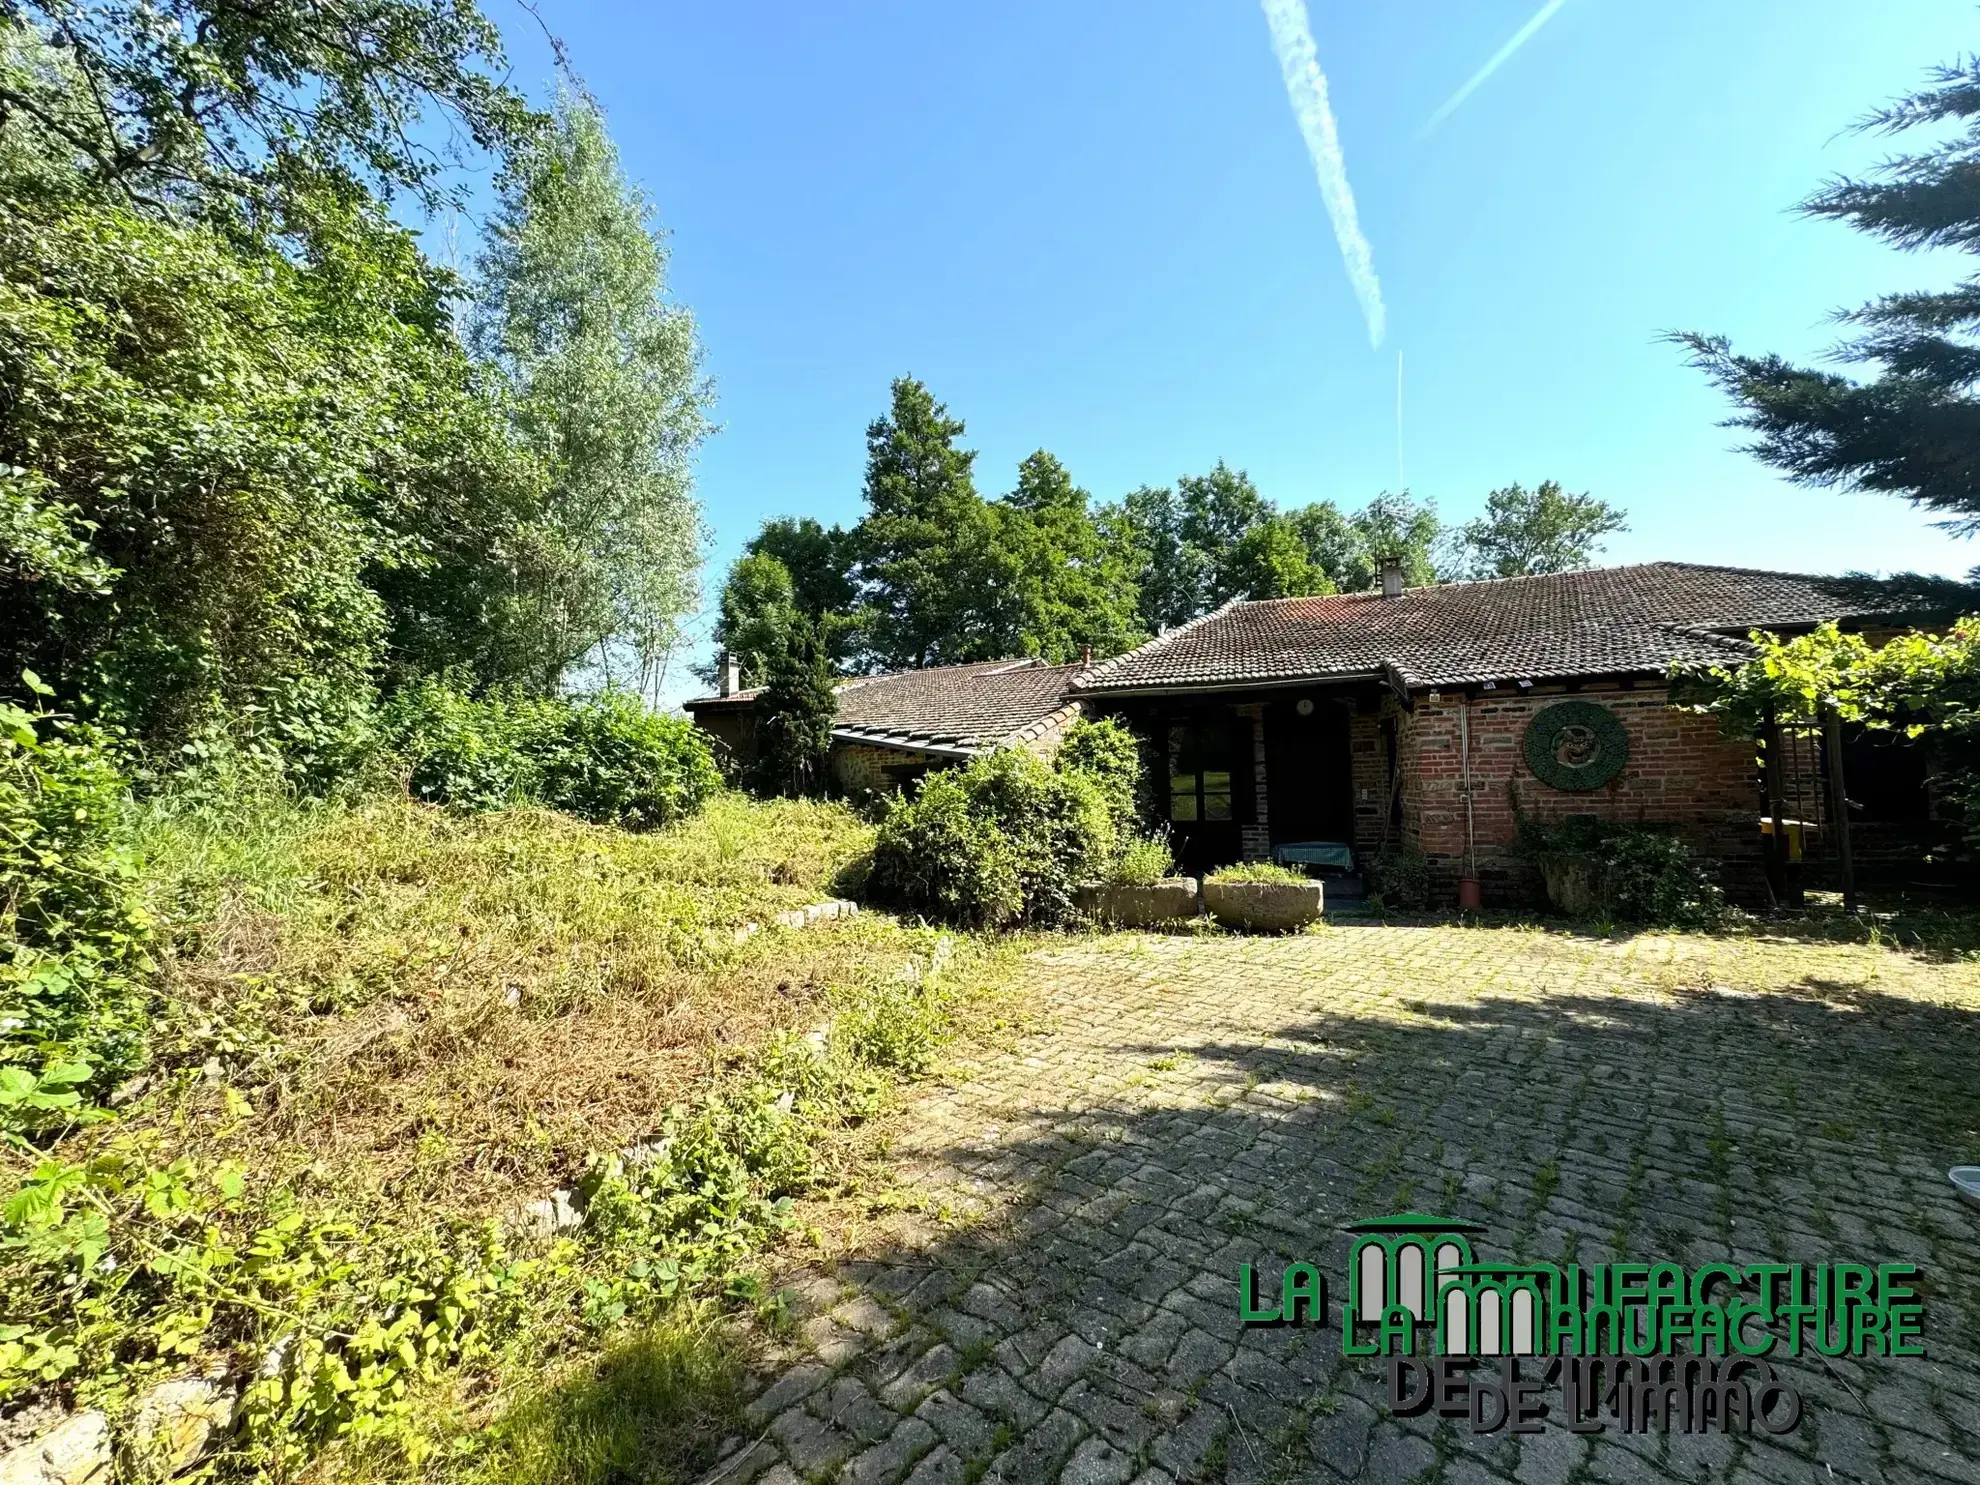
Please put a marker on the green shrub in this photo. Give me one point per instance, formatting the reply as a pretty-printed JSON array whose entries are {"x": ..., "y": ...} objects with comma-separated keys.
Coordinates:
[
  {"x": 1652, "y": 877},
  {"x": 1142, "y": 862},
  {"x": 611, "y": 760},
  {"x": 1110, "y": 755},
  {"x": 1399, "y": 877},
  {"x": 1000, "y": 842},
  {"x": 73, "y": 938},
  {"x": 1644, "y": 873},
  {"x": 603, "y": 758},
  {"x": 1258, "y": 871}
]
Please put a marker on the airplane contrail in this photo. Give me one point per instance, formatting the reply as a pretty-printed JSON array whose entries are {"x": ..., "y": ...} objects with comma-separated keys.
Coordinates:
[
  {"x": 1306, "y": 87},
  {"x": 1520, "y": 37}
]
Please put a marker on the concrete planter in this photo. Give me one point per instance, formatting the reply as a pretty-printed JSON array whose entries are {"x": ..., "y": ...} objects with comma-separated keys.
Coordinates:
[
  {"x": 1572, "y": 884},
  {"x": 1263, "y": 907},
  {"x": 1139, "y": 907}
]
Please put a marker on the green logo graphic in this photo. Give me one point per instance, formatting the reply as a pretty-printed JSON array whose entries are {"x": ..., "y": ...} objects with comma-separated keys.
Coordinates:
[{"x": 1654, "y": 1344}]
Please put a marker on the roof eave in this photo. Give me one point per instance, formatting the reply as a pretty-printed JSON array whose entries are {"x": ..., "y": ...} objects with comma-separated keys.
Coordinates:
[{"x": 1207, "y": 688}]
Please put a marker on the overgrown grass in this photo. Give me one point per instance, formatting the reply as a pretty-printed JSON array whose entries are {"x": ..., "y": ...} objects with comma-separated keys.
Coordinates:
[
  {"x": 402, "y": 1023},
  {"x": 1260, "y": 871},
  {"x": 646, "y": 1410}
]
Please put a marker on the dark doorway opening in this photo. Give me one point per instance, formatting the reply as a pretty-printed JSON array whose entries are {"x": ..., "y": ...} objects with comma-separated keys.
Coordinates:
[{"x": 1309, "y": 771}]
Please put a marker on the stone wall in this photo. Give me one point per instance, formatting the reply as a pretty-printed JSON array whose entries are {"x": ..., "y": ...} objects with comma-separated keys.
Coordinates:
[
  {"x": 858, "y": 768},
  {"x": 1680, "y": 772}
]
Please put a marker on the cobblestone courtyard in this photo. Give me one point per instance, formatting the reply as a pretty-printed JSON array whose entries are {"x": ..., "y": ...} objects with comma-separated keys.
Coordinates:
[{"x": 1068, "y": 1311}]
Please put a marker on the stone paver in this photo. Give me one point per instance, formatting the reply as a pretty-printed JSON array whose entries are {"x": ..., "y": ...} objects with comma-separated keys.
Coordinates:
[{"x": 1199, "y": 1103}]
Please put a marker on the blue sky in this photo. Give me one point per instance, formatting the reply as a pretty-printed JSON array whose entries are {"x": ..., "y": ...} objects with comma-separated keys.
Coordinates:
[{"x": 1092, "y": 226}]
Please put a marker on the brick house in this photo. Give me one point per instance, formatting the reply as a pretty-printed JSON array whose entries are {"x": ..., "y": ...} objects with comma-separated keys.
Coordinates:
[
  {"x": 890, "y": 729},
  {"x": 1359, "y": 719}
]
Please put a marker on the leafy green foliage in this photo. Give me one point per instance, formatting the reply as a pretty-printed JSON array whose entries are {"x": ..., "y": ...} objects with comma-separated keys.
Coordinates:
[
  {"x": 605, "y": 388},
  {"x": 119, "y": 1268},
  {"x": 126, "y": 1262},
  {"x": 1545, "y": 529},
  {"x": 1184, "y": 537},
  {"x": 1002, "y": 841},
  {"x": 793, "y": 569},
  {"x": 1109, "y": 753},
  {"x": 1644, "y": 874},
  {"x": 73, "y": 1005},
  {"x": 1214, "y": 538},
  {"x": 603, "y": 758},
  {"x": 228, "y": 106},
  {"x": 1072, "y": 589},
  {"x": 929, "y": 551},
  {"x": 1142, "y": 861},
  {"x": 1919, "y": 683},
  {"x": 1913, "y": 429},
  {"x": 1272, "y": 561},
  {"x": 1399, "y": 877},
  {"x": 756, "y": 617}
]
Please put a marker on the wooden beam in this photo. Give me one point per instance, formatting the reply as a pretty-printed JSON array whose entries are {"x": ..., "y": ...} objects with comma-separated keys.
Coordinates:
[{"x": 1839, "y": 805}]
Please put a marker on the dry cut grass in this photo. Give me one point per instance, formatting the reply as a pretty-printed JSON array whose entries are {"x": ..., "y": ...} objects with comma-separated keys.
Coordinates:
[{"x": 452, "y": 1010}]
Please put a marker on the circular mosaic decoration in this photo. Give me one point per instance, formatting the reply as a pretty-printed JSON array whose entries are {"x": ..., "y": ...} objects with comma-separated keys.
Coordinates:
[{"x": 1576, "y": 745}]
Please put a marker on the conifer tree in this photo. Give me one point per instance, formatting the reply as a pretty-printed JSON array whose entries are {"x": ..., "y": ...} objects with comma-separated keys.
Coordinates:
[
  {"x": 1072, "y": 588},
  {"x": 794, "y": 716},
  {"x": 1912, "y": 427},
  {"x": 931, "y": 559}
]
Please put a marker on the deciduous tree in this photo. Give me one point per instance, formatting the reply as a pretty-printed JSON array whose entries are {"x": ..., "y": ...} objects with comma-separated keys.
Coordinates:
[
  {"x": 1072, "y": 588},
  {"x": 1544, "y": 529},
  {"x": 606, "y": 387}
]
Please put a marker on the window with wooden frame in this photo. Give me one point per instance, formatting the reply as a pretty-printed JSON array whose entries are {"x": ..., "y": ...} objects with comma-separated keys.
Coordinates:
[{"x": 1200, "y": 772}]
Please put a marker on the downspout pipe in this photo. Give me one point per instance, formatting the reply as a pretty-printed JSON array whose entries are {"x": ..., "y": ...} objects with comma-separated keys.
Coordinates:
[{"x": 1468, "y": 895}]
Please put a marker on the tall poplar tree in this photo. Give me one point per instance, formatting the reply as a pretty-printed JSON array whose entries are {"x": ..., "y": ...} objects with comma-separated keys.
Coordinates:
[{"x": 604, "y": 371}]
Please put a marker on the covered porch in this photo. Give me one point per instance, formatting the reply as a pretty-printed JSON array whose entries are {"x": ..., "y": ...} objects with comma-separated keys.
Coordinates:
[{"x": 1245, "y": 774}]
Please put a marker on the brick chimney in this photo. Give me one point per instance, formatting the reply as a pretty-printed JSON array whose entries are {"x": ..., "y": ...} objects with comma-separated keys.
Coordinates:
[
  {"x": 1086, "y": 655},
  {"x": 730, "y": 673},
  {"x": 1392, "y": 576}
]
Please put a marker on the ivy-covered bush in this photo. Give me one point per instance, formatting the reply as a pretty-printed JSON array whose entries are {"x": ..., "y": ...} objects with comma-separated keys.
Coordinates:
[
  {"x": 1643, "y": 873},
  {"x": 72, "y": 936},
  {"x": 998, "y": 843},
  {"x": 603, "y": 758}
]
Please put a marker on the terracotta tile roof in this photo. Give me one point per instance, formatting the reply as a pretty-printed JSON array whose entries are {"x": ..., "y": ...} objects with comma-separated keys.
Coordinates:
[
  {"x": 1600, "y": 621},
  {"x": 948, "y": 708}
]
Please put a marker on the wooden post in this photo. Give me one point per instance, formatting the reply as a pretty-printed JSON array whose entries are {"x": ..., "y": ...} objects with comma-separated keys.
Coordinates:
[
  {"x": 1839, "y": 804},
  {"x": 1777, "y": 842}
]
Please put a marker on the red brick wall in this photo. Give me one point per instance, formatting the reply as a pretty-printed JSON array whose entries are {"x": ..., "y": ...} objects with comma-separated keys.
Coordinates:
[
  {"x": 1680, "y": 772},
  {"x": 1368, "y": 760}
]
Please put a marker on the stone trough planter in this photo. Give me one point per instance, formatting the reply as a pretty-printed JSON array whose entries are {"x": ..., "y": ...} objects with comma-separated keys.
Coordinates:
[
  {"x": 1572, "y": 883},
  {"x": 1139, "y": 907},
  {"x": 1263, "y": 907}
]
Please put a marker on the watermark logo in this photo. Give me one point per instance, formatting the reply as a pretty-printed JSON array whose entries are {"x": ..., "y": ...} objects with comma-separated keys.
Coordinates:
[{"x": 1649, "y": 1345}]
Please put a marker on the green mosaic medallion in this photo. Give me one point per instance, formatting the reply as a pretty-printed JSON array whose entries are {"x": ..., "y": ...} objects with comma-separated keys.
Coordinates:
[{"x": 1576, "y": 745}]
